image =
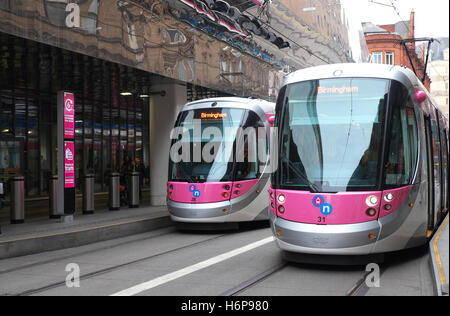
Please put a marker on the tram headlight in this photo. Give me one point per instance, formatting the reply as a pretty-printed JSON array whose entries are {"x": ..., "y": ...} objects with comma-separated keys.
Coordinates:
[
  {"x": 372, "y": 200},
  {"x": 389, "y": 197},
  {"x": 281, "y": 198}
]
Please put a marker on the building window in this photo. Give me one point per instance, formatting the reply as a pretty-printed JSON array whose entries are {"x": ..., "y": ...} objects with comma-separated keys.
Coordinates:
[
  {"x": 377, "y": 57},
  {"x": 389, "y": 58}
]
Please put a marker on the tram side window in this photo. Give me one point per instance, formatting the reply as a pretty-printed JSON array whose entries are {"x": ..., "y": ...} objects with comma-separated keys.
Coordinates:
[
  {"x": 436, "y": 163},
  {"x": 444, "y": 150},
  {"x": 402, "y": 154}
]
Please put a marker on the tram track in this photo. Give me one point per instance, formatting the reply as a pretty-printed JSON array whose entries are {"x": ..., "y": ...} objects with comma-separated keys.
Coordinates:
[
  {"x": 255, "y": 280},
  {"x": 113, "y": 268},
  {"x": 361, "y": 288},
  {"x": 87, "y": 252}
]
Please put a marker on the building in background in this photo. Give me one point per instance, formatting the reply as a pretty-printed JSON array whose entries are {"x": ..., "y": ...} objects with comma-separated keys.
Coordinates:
[
  {"x": 437, "y": 48},
  {"x": 386, "y": 45},
  {"x": 438, "y": 72},
  {"x": 132, "y": 64},
  {"x": 325, "y": 18}
]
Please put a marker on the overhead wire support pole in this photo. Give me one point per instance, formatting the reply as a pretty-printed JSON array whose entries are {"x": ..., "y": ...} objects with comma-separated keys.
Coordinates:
[
  {"x": 403, "y": 42},
  {"x": 426, "y": 61},
  {"x": 424, "y": 39}
]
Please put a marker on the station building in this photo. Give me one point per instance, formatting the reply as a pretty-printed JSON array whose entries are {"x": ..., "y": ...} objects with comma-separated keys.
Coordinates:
[{"x": 131, "y": 65}]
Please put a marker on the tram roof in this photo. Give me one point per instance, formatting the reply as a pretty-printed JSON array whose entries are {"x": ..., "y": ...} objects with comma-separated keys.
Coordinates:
[
  {"x": 352, "y": 70},
  {"x": 268, "y": 107}
]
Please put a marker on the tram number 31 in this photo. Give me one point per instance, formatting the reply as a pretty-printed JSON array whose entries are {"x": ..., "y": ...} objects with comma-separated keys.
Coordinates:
[{"x": 321, "y": 219}]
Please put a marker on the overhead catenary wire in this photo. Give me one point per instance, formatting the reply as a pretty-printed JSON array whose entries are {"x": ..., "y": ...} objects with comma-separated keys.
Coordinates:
[
  {"x": 403, "y": 42},
  {"x": 283, "y": 35}
]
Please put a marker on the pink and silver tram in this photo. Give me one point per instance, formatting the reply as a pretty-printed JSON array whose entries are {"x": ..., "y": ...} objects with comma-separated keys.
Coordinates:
[
  {"x": 363, "y": 161},
  {"x": 219, "y": 163}
]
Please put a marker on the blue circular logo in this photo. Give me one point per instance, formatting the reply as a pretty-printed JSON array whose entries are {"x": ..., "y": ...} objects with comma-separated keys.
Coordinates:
[
  {"x": 195, "y": 193},
  {"x": 326, "y": 209},
  {"x": 317, "y": 200}
]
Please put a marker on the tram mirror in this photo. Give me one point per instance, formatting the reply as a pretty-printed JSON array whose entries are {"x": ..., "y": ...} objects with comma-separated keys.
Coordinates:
[{"x": 420, "y": 96}]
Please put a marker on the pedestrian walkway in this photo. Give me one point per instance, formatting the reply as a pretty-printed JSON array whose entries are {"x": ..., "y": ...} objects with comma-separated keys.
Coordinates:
[
  {"x": 439, "y": 258},
  {"x": 43, "y": 234}
]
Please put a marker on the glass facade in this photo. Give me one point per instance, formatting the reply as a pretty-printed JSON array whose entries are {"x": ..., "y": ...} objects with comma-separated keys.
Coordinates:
[{"x": 112, "y": 113}]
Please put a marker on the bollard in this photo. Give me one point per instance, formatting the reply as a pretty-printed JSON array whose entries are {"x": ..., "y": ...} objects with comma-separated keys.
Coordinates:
[
  {"x": 2, "y": 194},
  {"x": 53, "y": 197},
  {"x": 88, "y": 194},
  {"x": 114, "y": 191},
  {"x": 2, "y": 197},
  {"x": 17, "y": 200},
  {"x": 133, "y": 194}
]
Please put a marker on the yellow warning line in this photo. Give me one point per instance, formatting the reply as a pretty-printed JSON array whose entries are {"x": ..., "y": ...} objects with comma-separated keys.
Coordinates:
[
  {"x": 436, "y": 251},
  {"x": 84, "y": 229}
]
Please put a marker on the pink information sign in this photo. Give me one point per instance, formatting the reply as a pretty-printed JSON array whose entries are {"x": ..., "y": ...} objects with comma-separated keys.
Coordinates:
[
  {"x": 69, "y": 115},
  {"x": 69, "y": 165}
]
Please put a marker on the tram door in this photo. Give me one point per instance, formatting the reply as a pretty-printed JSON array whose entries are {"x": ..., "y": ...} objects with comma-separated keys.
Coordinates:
[
  {"x": 430, "y": 172},
  {"x": 434, "y": 172}
]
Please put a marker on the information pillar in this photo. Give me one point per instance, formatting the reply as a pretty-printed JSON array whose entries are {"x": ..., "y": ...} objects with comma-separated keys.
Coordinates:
[{"x": 66, "y": 153}]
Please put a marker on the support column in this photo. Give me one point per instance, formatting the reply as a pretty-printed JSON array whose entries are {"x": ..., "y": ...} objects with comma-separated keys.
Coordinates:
[{"x": 163, "y": 113}]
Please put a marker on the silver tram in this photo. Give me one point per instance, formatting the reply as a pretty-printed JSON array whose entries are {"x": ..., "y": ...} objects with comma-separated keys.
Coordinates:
[
  {"x": 363, "y": 161},
  {"x": 219, "y": 163}
]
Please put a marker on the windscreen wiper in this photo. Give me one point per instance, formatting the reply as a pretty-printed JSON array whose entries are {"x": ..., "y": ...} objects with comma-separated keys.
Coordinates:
[
  {"x": 189, "y": 178},
  {"x": 314, "y": 188}
]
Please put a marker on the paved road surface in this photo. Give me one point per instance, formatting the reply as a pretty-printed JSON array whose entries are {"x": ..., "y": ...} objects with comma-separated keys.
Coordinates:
[{"x": 170, "y": 262}]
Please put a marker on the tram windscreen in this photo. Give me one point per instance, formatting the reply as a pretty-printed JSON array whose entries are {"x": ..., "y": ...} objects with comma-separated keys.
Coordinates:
[
  {"x": 331, "y": 134},
  {"x": 204, "y": 146}
]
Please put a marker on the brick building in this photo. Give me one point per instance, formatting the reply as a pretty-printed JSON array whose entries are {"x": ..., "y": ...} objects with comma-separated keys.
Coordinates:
[{"x": 385, "y": 46}]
